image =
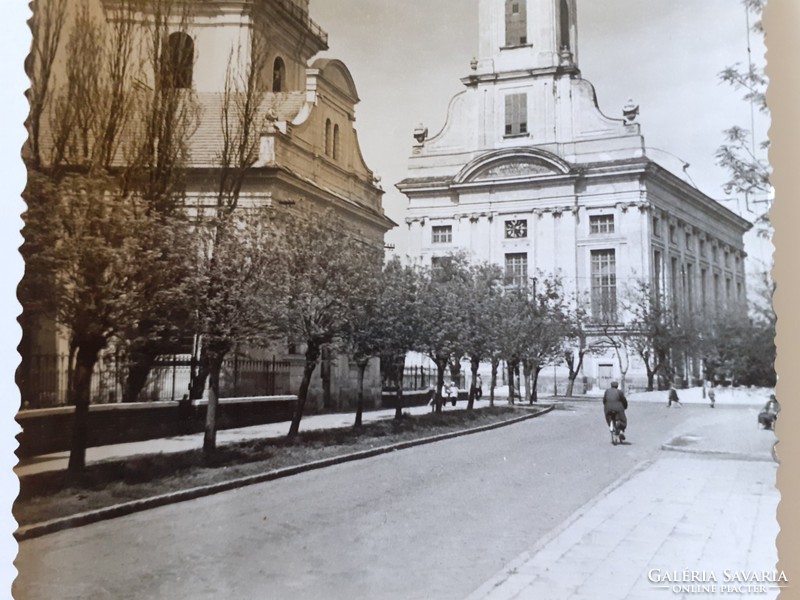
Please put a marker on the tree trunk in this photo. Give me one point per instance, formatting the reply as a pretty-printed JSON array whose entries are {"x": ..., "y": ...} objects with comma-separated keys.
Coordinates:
[
  {"x": 510, "y": 383},
  {"x": 325, "y": 374},
  {"x": 534, "y": 395},
  {"x": 312, "y": 356},
  {"x": 440, "y": 367},
  {"x": 400, "y": 366},
  {"x": 574, "y": 370},
  {"x": 198, "y": 383},
  {"x": 139, "y": 370},
  {"x": 80, "y": 393},
  {"x": 526, "y": 373},
  {"x": 210, "y": 436},
  {"x": 474, "y": 362},
  {"x": 493, "y": 383},
  {"x": 362, "y": 366}
]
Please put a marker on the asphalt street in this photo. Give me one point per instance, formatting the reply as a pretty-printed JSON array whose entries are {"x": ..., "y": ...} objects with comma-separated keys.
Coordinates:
[{"x": 434, "y": 521}]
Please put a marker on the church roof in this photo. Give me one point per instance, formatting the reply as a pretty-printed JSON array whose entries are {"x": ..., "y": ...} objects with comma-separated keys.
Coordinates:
[{"x": 206, "y": 142}]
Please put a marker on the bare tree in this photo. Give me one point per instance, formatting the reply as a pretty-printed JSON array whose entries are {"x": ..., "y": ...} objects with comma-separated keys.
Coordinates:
[
  {"x": 47, "y": 24},
  {"x": 240, "y": 130}
]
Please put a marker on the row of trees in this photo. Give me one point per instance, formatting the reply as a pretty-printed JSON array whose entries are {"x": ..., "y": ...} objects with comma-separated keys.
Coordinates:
[{"x": 115, "y": 255}]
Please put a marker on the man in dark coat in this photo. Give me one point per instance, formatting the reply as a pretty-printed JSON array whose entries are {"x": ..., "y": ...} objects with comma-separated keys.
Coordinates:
[{"x": 614, "y": 401}]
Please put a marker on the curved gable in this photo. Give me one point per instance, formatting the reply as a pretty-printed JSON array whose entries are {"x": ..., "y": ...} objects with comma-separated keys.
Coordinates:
[
  {"x": 337, "y": 75},
  {"x": 511, "y": 164}
]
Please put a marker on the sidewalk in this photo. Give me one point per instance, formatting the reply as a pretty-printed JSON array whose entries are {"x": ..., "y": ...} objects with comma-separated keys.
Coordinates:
[
  {"x": 705, "y": 512},
  {"x": 58, "y": 460}
]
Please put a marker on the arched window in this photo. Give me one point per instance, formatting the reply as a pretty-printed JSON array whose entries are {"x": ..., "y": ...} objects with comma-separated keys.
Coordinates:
[
  {"x": 516, "y": 22},
  {"x": 565, "y": 24},
  {"x": 278, "y": 75},
  {"x": 179, "y": 61},
  {"x": 328, "y": 140},
  {"x": 336, "y": 147}
]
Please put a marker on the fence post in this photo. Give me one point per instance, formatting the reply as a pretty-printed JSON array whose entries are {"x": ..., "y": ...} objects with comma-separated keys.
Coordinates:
[
  {"x": 174, "y": 368},
  {"x": 236, "y": 371}
]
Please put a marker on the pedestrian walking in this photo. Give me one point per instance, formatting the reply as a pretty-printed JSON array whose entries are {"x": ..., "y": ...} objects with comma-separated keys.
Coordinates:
[
  {"x": 712, "y": 397},
  {"x": 673, "y": 396},
  {"x": 478, "y": 387}
]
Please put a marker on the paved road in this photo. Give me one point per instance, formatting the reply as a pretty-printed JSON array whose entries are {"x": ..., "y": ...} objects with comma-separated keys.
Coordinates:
[{"x": 434, "y": 521}]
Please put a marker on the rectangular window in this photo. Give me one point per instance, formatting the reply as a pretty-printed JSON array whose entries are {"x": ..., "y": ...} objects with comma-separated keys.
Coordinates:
[
  {"x": 714, "y": 254},
  {"x": 739, "y": 291},
  {"x": 657, "y": 273},
  {"x": 703, "y": 287},
  {"x": 716, "y": 289},
  {"x": 728, "y": 295},
  {"x": 702, "y": 249},
  {"x": 442, "y": 234},
  {"x": 688, "y": 241},
  {"x": 689, "y": 287},
  {"x": 438, "y": 262},
  {"x": 516, "y": 114},
  {"x": 517, "y": 268},
  {"x": 516, "y": 23},
  {"x": 672, "y": 234},
  {"x": 656, "y": 227},
  {"x": 727, "y": 259},
  {"x": 601, "y": 223},
  {"x": 604, "y": 286},
  {"x": 673, "y": 283}
]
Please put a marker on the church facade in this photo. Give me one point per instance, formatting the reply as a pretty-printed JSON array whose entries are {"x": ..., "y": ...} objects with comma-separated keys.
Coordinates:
[
  {"x": 308, "y": 160},
  {"x": 527, "y": 173}
]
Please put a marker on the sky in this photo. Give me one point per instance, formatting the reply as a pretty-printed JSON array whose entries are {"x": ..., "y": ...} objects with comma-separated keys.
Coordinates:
[{"x": 407, "y": 58}]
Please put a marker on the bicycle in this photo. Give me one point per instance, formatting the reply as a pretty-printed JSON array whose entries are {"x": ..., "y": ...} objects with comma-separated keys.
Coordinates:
[{"x": 615, "y": 427}]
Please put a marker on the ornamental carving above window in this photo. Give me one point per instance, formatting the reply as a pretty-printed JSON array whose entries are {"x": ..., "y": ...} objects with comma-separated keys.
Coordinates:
[{"x": 513, "y": 169}]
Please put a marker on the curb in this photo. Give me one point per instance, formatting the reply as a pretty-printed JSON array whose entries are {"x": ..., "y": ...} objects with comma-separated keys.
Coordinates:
[
  {"x": 35, "y": 530},
  {"x": 721, "y": 454}
]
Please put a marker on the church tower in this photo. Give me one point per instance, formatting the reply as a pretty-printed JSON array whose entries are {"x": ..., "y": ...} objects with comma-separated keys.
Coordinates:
[
  {"x": 528, "y": 173},
  {"x": 526, "y": 34}
]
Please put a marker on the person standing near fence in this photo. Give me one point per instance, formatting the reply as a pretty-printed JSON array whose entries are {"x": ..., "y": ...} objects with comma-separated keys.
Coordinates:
[{"x": 478, "y": 387}]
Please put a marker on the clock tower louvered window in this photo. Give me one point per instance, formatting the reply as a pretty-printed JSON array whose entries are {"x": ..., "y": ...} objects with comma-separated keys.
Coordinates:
[{"x": 516, "y": 114}]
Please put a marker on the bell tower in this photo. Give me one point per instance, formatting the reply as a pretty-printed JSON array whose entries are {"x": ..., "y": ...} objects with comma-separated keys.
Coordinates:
[{"x": 527, "y": 34}]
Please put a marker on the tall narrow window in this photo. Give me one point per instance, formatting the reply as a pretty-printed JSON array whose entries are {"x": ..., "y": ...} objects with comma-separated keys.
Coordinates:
[
  {"x": 604, "y": 286},
  {"x": 716, "y": 289},
  {"x": 517, "y": 268},
  {"x": 703, "y": 288},
  {"x": 179, "y": 61},
  {"x": 328, "y": 137},
  {"x": 657, "y": 274},
  {"x": 278, "y": 75},
  {"x": 673, "y": 283},
  {"x": 516, "y": 22},
  {"x": 516, "y": 114},
  {"x": 335, "y": 142},
  {"x": 564, "y": 24},
  {"x": 689, "y": 287}
]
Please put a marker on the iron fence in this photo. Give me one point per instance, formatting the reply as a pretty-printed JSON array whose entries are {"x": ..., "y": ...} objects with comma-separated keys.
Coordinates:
[
  {"x": 422, "y": 378},
  {"x": 44, "y": 379}
]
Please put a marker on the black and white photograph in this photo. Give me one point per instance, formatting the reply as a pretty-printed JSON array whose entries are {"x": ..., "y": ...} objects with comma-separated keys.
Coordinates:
[{"x": 366, "y": 299}]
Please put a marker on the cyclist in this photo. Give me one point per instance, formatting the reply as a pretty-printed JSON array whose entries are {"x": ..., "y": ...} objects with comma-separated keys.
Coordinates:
[{"x": 614, "y": 405}]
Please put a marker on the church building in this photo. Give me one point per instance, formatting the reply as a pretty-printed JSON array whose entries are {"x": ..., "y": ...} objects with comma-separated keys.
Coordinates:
[
  {"x": 309, "y": 161},
  {"x": 527, "y": 173}
]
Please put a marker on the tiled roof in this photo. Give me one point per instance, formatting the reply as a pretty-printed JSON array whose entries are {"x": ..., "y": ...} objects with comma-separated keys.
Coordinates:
[{"x": 206, "y": 143}]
